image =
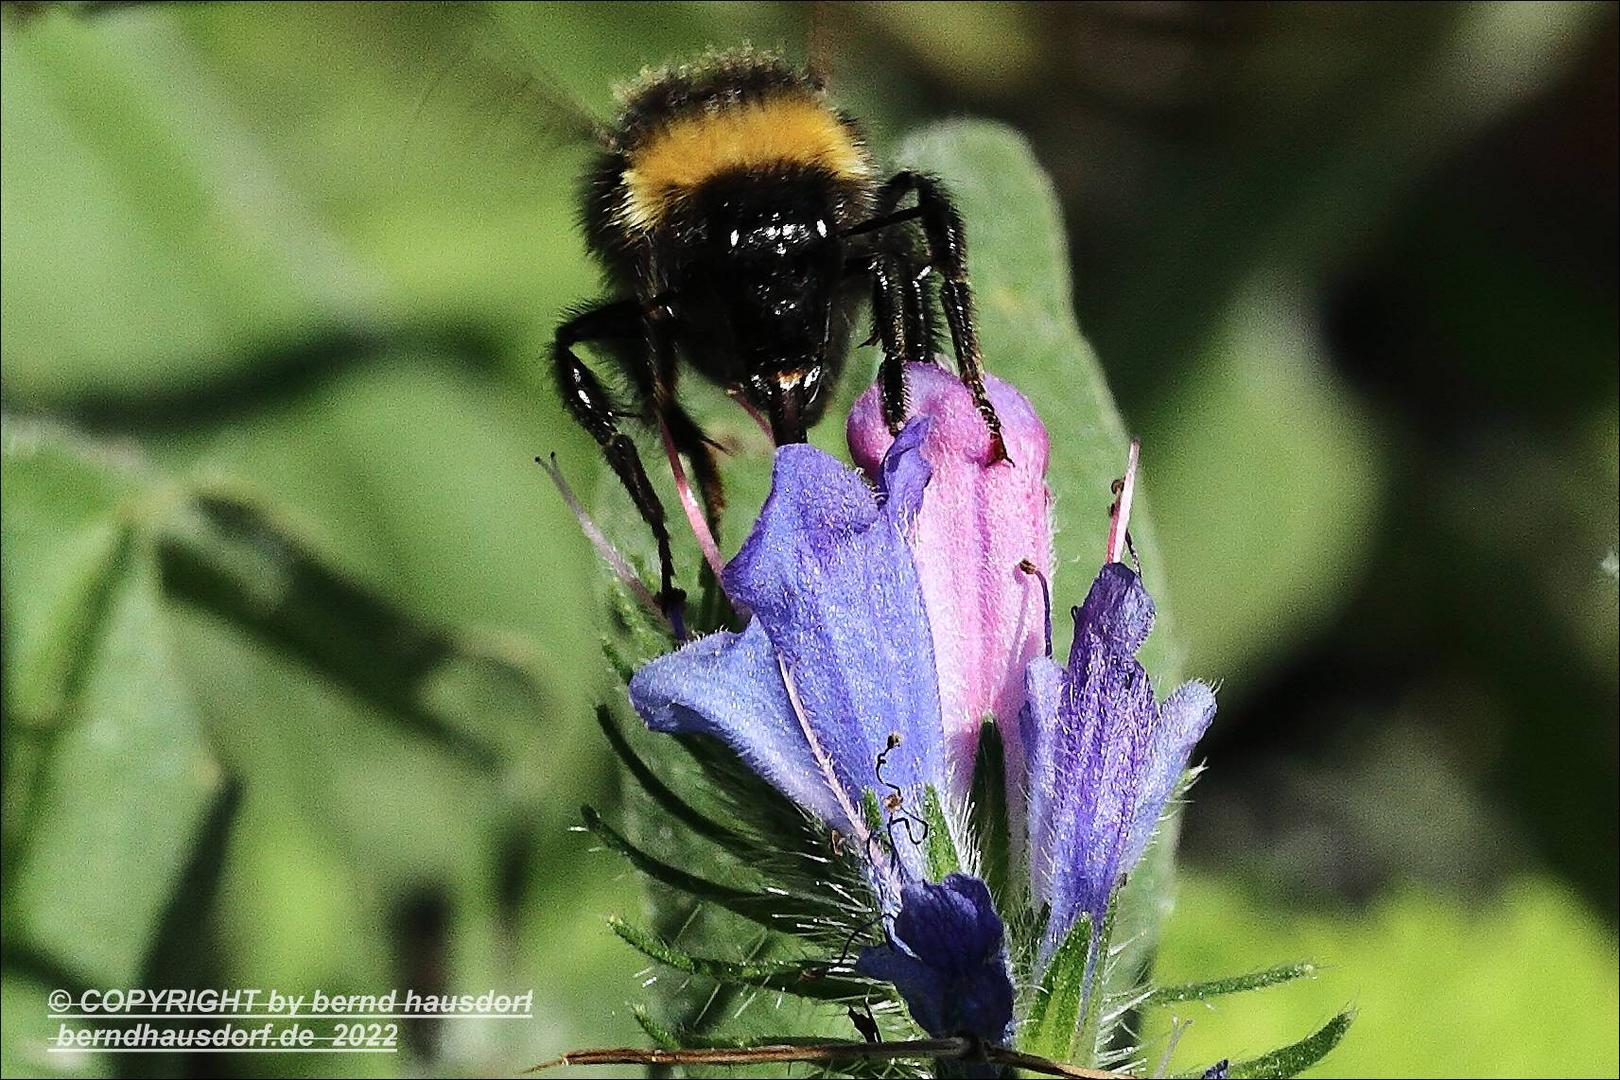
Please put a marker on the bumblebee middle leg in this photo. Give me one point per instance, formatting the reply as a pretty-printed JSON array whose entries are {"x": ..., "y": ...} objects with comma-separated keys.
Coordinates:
[{"x": 593, "y": 407}]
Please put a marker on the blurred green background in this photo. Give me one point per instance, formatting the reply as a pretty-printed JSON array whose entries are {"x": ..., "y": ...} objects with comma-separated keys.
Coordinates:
[{"x": 299, "y": 647}]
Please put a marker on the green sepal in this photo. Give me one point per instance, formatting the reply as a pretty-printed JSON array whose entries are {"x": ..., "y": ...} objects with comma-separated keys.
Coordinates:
[
  {"x": 1236, "y": 984},
  {"x": 1090, "y": 1036},
  {"x": 943, "y": 858},
  {"x": 1055, "y": 1013},
  {"x": 988, "y": 815},
  {"x": 663, "y": 1036},
  {"x": 801, "y": 978},
  {"x": 872, "y": 810}
]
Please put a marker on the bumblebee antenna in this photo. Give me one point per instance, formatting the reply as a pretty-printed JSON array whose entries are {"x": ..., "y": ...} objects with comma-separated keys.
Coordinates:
[{"x": 818, "y": 49}]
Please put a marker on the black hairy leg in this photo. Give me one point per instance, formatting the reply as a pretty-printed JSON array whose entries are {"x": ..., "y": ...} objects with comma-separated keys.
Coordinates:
[
  {"x": 947, "y": 254},
  {"x": 590, "y": 403},
  {"x": 903, "y": 328}
]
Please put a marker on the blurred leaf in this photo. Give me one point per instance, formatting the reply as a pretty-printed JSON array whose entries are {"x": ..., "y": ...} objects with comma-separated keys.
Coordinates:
[
  {"x": 1209, "y": 309},
  {"x": 122, "y": 776},
  {"x": 230, "y": 559},
  {"x": 1441, "y": 982},
  {"x": 166, "y": 225},
  {"x": 25, "y": 1029},
  {"x": 334, "y": 708},
  {"x": 56, "y": 502},
  {"x": 1257, "y": 550},
  {"x": 413, "y": 474}
]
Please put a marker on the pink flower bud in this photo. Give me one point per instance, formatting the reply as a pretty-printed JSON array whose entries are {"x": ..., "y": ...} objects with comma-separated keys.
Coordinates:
[{"x": 976, "y": 524}]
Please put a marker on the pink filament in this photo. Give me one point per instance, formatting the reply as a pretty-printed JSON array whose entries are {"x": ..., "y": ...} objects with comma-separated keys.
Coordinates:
[
  {"x": 741, "y": 398},
  {"x": 694, "y": 513}
]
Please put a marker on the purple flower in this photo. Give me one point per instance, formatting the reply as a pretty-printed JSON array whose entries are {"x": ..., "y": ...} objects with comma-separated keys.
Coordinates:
[
  {"x": 1104, "y": 755},
  {"x": 947, "y": 955},
  {"x": 838, "y": 660},
  {"x": 978, "y": 521}
]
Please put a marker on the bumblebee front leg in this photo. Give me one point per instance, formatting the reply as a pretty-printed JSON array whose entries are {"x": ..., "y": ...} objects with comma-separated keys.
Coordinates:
[
  {"x": 947, "y": 253},
  {"x": 903, "y": 327},
  {"x": 590, "y": 403}
]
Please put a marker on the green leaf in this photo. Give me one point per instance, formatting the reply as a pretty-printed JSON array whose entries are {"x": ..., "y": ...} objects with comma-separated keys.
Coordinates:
[
  {"x": 26, "y": 1029},
  {"x": 229, "y": 557},
  {"x": 1055, "y": 1013},
  {"x": 67, "y": 532},
  {"x": 802, "y": 978},
  {"x": 115, "y": 190},
  {"x": 1293, "y": 1059},
  {"x": 123, "y": 789},
  {"x": 1096, "y": 1031},
  {"x": 1236, "y": 984}
]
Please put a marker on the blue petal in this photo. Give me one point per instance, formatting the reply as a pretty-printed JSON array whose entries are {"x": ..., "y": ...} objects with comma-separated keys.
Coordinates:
[
  {"x": 947, "y": 956},
  {"x": 905, "y": 472},
  {"x": 1103, "y": 728},
  {"x": 829, "y": 578},
  {"x": 1118, "y": 611},
  {"x": 728, "y": 686},
  {"x": 1044, "y": 686},
  {"x": 1183, "y": 718}
]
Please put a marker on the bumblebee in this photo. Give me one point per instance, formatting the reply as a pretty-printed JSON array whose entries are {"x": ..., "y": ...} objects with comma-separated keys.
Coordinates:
[{"x": 739, "y": 220}]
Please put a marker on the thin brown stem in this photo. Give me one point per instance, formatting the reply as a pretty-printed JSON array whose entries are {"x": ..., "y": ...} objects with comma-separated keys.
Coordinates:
[
  {"x": 758, "y": 1055},
  {"x": 827, "y": 1052},
  {"x": 1046, "y": 1066}
]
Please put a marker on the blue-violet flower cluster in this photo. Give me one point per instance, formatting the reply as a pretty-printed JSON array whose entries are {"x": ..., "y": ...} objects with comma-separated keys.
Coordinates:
[{"x": 896, "y": 610}]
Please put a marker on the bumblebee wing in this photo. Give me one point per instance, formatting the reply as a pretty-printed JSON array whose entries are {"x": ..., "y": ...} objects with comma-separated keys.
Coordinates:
[{"x": 484, "y": 66}]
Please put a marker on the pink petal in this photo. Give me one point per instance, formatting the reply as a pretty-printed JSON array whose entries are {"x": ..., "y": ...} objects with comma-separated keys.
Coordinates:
[{"x": 977, "y": 523}]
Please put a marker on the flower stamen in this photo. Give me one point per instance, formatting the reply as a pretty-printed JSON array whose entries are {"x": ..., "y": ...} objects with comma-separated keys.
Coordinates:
[{"x": 1028, "y": 567}]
